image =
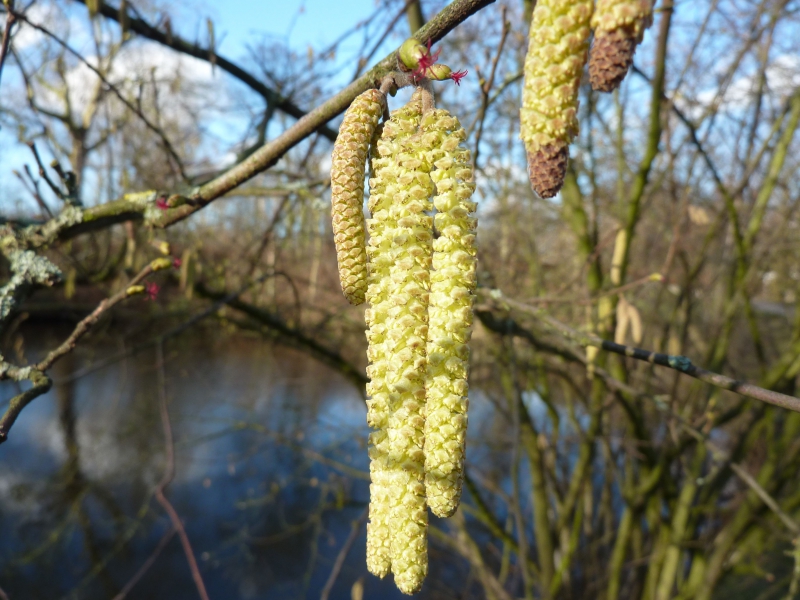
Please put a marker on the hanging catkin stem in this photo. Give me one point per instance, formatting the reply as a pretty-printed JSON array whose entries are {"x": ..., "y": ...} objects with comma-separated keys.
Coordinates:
[
  {"x": 348, "y": 163},
  {"x": 618, "y": 27},
  {"x": 400, "y": 257},
  {"x": 449, "y": 312},
  {"x": 557, "y": 48}
]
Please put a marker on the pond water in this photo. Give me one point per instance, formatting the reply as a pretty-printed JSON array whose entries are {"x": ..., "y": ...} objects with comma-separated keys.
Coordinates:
[{"x": 271, "y": 478}]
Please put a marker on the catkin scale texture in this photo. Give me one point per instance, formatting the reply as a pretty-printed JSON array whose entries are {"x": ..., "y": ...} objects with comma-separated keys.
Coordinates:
[
  {"x": 619, "y": 26},
  {"x": 557, "y": 50},
  {"x": 348, "y": 163},
  {"x": 399, "y": 253},
  {"x": 449, "y": 312}
]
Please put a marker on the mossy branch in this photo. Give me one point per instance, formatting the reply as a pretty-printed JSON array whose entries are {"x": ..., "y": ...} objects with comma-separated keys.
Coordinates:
[{"x": 681, "y": 364}]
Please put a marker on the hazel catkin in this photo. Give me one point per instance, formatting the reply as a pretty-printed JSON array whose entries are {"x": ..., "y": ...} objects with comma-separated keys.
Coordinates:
[
  {"x": 347, "y": 191},
  {"x": 557, "y": 50},
  {"x": 399, "y": 253},
  {"x": 618, "y": 28},
  {"x": 450, "y": 310}
]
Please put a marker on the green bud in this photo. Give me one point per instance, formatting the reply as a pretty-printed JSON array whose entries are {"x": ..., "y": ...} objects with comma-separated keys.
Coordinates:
[
  {"x": 439, "y": 72},
  {"x": 162, "y": 263},
  {"x": 410, "y": 53}
]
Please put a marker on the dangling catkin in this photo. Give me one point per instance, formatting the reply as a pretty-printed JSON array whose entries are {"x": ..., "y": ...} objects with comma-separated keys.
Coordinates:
[
  {"x": 618, "y": 27},
  {"x": 449, "y": 312},
  {"x": 347, "y": 191},
  {"x": 399, "y": 253},
  {"x": 557, "y": 49}
]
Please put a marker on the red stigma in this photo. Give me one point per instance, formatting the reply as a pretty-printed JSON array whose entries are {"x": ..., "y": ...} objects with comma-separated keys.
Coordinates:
[
  {"x": 457, "y": 76},
  {"x": 426, "y": 61},
  {"x": 151, "y": 289}
]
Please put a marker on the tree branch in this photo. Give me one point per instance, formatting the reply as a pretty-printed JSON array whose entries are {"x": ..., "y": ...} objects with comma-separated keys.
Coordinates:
[
  {"x": 10, "y": 19},
  {"x": 682, "y": 364}
]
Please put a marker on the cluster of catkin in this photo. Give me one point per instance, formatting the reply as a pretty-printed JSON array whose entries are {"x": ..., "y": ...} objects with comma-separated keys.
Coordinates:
[
  {"x": 420, "y": 287},
  {"x": 557, "y": 51}
]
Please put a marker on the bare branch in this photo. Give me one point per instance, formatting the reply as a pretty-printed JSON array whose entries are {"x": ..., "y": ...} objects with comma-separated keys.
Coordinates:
[
  {"x": 682, "y": 364},
  {"x": 43, "y": 172},
  {"x": 10, "y": 20},
  {"x": 83, "y": 327},
  {"x": 355, "y": 527},
  {"x": 146, "y": 30},
  {"x": 152, "y": 127},
  {"x": 146, "y": 565}
]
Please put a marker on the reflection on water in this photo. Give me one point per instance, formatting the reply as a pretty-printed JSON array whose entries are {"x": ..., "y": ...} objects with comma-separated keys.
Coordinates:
[{"x": 271, "y": 475}]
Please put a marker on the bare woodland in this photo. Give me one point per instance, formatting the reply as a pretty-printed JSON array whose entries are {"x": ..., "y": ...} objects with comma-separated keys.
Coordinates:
[{"x": 637, "y": 337}]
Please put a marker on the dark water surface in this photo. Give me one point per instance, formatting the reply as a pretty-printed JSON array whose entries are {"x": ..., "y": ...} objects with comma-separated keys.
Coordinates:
[{"x": 271, "y": 474}]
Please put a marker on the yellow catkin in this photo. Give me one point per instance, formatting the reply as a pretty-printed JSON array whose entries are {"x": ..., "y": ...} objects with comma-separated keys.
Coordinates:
[
  {"x": 449, "y": 312},
  {"x": 619, "y": 26},
  {"x": 348, "y": 163},
  {"x": 399, "y": 254},
  {"x": 557, "y": 50}
]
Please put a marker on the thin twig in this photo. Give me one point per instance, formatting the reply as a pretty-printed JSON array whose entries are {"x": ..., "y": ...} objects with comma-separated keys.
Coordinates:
[
  {"x": 362, "y": 62},
  {"x": 83, "y": 327},
  {"x": 487, "y": 86},
  {"x": 771, "y": 503},
  {"x": 36, "y": 373},
  {"x": 177, "y": 330},
  {"x": 33, "y": 188},
  {"x": 681, "y": 364},
  {"x": 43, "y": 172},
  {"x": 655, "y": 277},
  {"x": 146, "y": 565},
  {"x": 169, "y": 473},
  {"x": 355, "y": 527}
]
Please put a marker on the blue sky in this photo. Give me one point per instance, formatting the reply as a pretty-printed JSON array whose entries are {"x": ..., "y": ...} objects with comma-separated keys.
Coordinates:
[{"x": 300, "y": 22}]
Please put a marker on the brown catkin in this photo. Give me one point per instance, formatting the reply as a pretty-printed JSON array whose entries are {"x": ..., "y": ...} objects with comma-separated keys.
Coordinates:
[
  {"x": 348, "y": 163},
  {"x": 619, "y": 26},
  {"x": 547, "y": 168}
]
